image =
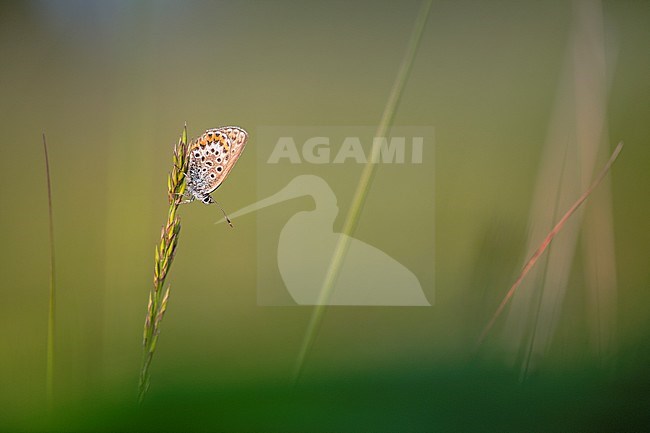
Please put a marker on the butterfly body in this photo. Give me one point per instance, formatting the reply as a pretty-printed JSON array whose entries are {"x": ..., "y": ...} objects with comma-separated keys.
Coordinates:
[{"x": 211, "y": 157}]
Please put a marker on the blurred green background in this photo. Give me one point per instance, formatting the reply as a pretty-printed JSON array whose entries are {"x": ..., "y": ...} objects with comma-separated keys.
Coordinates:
[{"x": 111, "y": 84}]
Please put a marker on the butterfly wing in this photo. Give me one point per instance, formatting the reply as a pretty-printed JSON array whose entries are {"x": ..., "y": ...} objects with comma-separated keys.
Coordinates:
[
  {"x": 212, "y": 156},
  {"x": 238, "y": 138}
]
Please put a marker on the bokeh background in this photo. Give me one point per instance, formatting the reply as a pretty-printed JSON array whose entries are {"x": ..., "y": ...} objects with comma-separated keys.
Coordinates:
[{"x": 523, "y": 96}]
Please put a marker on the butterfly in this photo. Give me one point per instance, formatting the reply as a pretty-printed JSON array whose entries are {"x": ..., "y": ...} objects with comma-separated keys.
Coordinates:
[{"x": 211, "y": 157}]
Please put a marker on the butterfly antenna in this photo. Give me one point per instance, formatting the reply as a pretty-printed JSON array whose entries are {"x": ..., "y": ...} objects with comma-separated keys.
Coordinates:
[{"x": 224, "y": 214}]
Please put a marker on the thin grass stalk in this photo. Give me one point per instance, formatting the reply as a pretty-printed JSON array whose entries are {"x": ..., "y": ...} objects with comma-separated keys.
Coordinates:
[
  {"x": 358, "y": 201},
  {"x": 51, "y": 320},
  {"x": 547, "y": 241},
  {"x": 163, "y": 258}
]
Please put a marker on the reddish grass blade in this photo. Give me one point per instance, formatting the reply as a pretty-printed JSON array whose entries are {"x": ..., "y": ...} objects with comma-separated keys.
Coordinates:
[{"x": 529, "y": 265}]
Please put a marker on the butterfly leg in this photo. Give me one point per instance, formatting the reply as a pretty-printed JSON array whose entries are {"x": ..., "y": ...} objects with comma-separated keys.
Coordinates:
[{"x": 181, "y": 196}]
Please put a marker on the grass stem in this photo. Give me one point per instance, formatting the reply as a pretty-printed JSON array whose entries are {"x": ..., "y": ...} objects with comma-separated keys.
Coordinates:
[
  {"x": 547, "y": 241},
  {"x": 51, "y": 322},
  {"x": 164, "y": 256},
  {"x": 354, "y": 213}
]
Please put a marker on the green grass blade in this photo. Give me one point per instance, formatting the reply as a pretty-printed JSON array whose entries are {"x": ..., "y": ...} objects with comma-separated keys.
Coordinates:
[
  {"x": 51, "y": 322},
  {"x": 353, "y": 215}
]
